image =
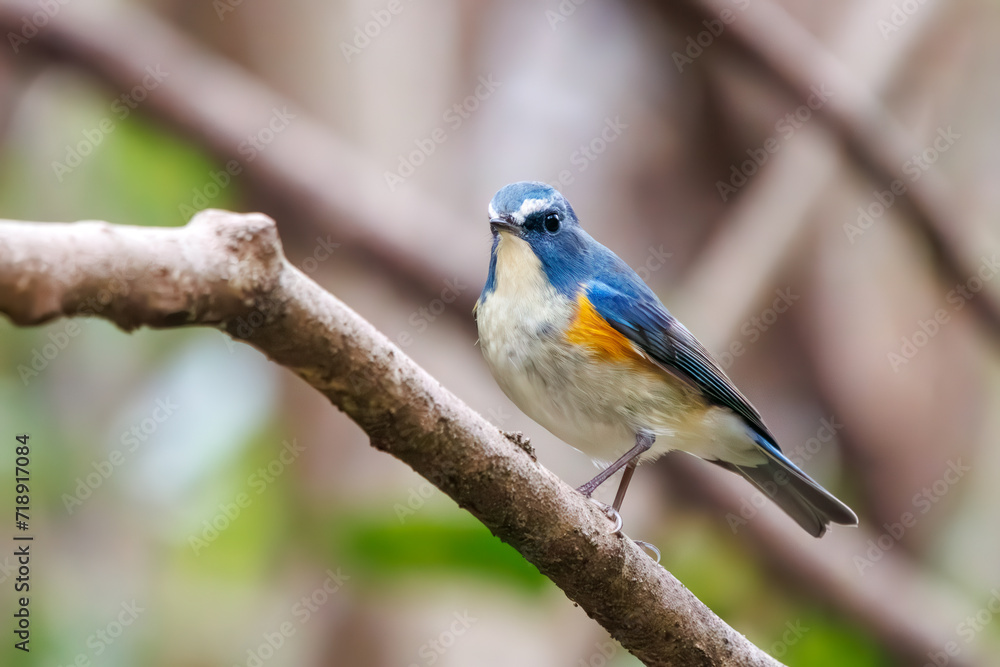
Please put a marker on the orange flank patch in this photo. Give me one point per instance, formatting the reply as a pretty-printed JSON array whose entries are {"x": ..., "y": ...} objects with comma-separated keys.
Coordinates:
[{"x": 591, "y": 330}]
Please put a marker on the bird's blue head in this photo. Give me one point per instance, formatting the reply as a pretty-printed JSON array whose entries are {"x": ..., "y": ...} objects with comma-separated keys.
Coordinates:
[
  {"x": 536, "y": 214},
  {"x": 531, "y": 210}
]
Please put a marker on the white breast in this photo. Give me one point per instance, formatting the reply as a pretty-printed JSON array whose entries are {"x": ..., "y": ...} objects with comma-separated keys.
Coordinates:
[
  {"x": 522, "y": 308},
  {"x": 521, "y": 325}
]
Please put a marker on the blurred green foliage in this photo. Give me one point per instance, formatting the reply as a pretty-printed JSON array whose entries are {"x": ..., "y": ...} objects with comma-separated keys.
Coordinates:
[
  {"x": 140, "y": 174},
  {"x": 381, "y": 550}
]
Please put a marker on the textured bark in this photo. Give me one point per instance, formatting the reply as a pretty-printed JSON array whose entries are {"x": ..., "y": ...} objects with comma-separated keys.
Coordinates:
[{"x": 228, "y": 271}]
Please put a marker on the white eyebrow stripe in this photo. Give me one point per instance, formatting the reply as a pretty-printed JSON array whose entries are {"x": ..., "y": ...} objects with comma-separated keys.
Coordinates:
[
  {"x": 529, "y": 206},
  {"x": 492, "y": 211}
]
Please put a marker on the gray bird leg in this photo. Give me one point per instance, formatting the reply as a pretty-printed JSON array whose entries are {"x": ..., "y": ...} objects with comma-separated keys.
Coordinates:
[
  {"x": 643, "y": 441},
  {"x": 623, "y": 486}
]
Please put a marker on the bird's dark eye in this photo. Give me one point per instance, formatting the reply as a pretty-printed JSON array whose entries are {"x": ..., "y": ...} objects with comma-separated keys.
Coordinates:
[{"x": 552, "y": 223}]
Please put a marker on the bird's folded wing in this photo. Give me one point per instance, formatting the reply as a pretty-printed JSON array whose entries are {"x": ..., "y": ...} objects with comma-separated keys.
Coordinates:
[{"x": 647, "y": 324}]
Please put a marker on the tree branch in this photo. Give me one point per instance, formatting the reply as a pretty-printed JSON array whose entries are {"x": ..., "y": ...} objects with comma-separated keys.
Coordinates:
[{"x": 228, "y": 271}]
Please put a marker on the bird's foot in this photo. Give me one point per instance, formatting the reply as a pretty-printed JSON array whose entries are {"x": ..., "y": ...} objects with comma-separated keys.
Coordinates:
[{"x": 611, "y": 513}]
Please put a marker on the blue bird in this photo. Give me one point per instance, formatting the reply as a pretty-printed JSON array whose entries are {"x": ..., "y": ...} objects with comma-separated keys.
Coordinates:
[{"x": 580, "y": 344}]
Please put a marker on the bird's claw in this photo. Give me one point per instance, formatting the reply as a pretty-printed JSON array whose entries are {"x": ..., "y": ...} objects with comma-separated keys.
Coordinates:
[
  {"x": 611, "y": 513},
  {"x": 649, "y": 547}
]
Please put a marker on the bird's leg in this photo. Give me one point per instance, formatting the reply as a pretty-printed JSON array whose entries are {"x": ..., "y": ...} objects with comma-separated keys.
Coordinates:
[
  {"x": 626, "y": 478},
  {"x": 643, "y": 441},
  {"x": 620, "y": 496}
]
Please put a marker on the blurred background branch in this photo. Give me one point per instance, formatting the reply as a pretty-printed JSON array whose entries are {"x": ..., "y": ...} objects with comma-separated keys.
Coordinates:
[
  {"x": 312, "y": 174},
  {"x": 867, "y": 130}
]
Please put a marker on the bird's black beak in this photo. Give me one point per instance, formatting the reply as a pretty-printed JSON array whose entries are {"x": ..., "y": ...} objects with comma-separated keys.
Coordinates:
[{"x": 501, "y": 225}]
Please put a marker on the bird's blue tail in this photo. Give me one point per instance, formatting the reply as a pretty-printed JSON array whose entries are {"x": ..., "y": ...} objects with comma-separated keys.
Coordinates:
[{"x": 798, "y": 494}]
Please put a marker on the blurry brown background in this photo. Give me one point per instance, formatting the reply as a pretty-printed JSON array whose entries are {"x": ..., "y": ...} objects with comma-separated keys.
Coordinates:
[{"x": 753, "y": 161}]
